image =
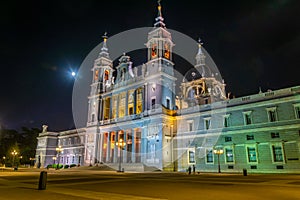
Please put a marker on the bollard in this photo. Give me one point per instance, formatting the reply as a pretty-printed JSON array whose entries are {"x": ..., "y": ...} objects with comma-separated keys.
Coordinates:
[
  {"x": 43, "y": 180},
  {"x": 245, "y": 172}
]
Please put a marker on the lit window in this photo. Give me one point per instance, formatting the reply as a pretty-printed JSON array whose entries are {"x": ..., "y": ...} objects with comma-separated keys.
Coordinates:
[
  {"x": 251, "y": 154},
  {"x": 122, "y": 104},
  {"x": 209, "y": 156},
  {"x": 139, "y": 101},
  {"x": 277, "y": 153},
  {"x": 106, "y": 74},
  {"x": 106, "y": 108},
  {"x": 96, "y": 75},
  {"x": 130, "y": 102},
  {"x": 229, "y": 154},
  {"x": 191, "y": 156},
  {"x": 114, "y": 106}
]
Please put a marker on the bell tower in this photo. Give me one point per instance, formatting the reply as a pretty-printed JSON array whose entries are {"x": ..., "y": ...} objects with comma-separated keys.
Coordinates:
[
  {"x": 160, "y": 42},
  {"x": 159, "y": 67},
  {"x": 101, "y": 82}
]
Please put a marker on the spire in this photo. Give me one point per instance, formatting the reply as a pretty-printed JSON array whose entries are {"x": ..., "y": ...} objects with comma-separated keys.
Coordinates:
[
  {"x": 200, "y": 43},
  {"x": 159, "y": 20},
  {"x": 104, "y": 49},
  {"x": 200, "y": 58}
]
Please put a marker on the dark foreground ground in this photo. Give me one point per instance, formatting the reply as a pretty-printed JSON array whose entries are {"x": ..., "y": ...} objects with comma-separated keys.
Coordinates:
[{"x": 92, "y": 184}]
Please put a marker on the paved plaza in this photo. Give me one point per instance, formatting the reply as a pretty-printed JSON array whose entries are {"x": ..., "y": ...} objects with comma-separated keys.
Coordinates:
[{"x": 92, "y": 184}]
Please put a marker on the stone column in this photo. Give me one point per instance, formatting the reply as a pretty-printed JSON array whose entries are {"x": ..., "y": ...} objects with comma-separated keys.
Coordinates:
[
  {"x": 100, "y": 147},
  {"x": 143, "y": 144},
  {"x": 108, "y": 147},
  {"x": 115, "y": 159},
  {"x": 125, "y": 147},
  {"x": 133, "y": 146}
]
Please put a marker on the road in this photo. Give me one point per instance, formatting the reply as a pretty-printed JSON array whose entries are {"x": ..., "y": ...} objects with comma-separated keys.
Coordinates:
[{"x": 91, "y": 184}]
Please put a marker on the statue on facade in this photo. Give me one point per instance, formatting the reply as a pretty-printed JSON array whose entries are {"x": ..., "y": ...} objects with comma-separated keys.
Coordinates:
[{"x": 44, "y": 128}]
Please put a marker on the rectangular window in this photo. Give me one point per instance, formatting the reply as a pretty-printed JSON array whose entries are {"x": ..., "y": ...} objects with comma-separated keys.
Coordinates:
[
  {"x": 297, "y": 111},
  {"x": 229, "y": 154},
  {"x": 272, "y": 114},
  {"x": 277, "y": 153},
  {"x": 122, "y": 100},
  {"x": 130, "y": 102},
  {"x": 114, "y": 106},
  {"x": 228, "y": 139},
  {"x": 250, "y": 137},
  {"x": 205, "y": 101},
  {"x": 106, "y": 108},
  {"x": 139, "y": 101},
  {"x": 153, "y": 103},
  {"x": 209, "y": 156},
  {"x": 275, "y": 135},
  {"x": 226, "y": 121},
  {"x": 251, "y": 154},
  {"x": 190, "y": 125},
  {"x": 207, "y": 123},
  {"x": 168, "y": 103},
  {"x": 247, "y": 118},
  {"x": 191, "y": 157}
]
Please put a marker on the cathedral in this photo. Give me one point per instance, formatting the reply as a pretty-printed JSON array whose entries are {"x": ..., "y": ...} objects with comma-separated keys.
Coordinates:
[{"x": 143, "y": 118}]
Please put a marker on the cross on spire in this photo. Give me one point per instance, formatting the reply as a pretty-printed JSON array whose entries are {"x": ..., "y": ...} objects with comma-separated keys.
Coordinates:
[
  {"x": 159, "y": 19},
  {"x": 104, "y": 49}
]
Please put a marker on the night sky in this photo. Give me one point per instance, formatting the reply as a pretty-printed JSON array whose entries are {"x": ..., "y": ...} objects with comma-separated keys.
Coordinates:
[{"x": 253, "y": 43}]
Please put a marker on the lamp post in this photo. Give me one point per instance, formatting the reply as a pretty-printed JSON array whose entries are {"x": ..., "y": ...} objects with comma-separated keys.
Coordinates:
[
  {"x": 218, "y": 152},
  {"x": 121, "y": 145},
  {"x": 3, "y": 160},
  {"x": 31, "y": 161},
  {"x": 20, "y": 158},
  {"x": 14, "y": 153},
  {"x": 58, "y": 150}
]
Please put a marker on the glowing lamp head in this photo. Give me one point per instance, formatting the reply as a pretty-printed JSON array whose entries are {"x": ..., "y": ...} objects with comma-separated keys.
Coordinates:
[{"x": 73, "y": 74}]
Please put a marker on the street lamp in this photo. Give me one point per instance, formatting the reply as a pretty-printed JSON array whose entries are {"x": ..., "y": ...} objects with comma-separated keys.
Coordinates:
[
  {"x": 3, "y": 160},
  {"x": 218, "y": 152},
  {"x": 58, "y": 150},
  {"x": 14, "y": 153},
  {"x": 121, "y": 145}
]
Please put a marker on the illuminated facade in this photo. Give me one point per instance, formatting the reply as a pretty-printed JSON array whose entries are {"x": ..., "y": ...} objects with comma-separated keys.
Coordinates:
[{"x": 168, "y": 131}]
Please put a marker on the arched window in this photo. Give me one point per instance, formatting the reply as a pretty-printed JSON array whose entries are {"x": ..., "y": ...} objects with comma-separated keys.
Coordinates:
[
  {"x": 106, "y": 75},
  {"x": 96, "y": 75}
]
